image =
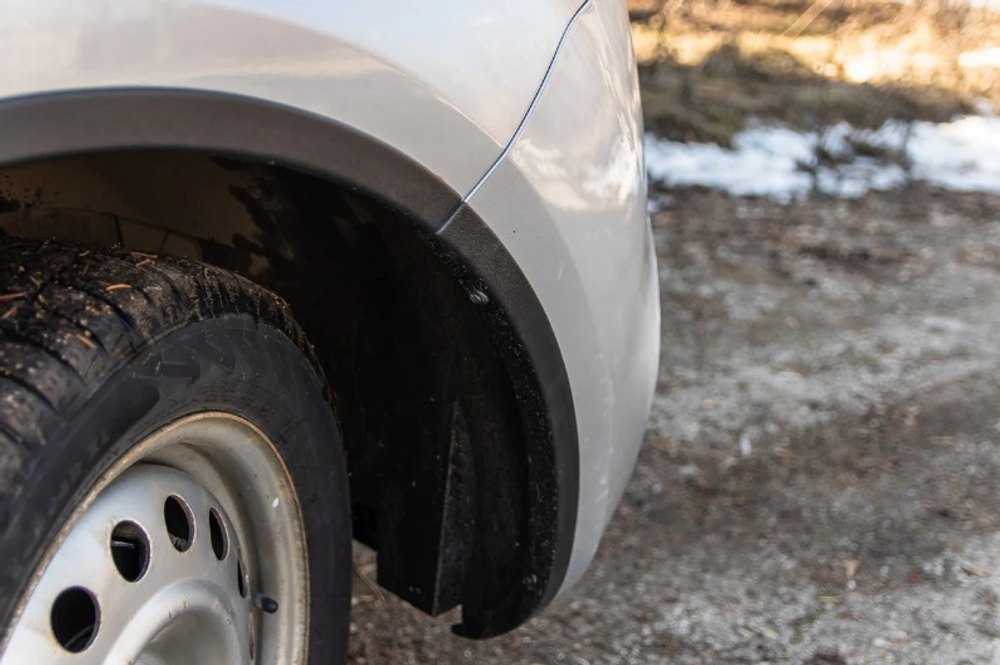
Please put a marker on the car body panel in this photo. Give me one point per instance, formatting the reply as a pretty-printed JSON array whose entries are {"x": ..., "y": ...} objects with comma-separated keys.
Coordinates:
[
  {"x": 429, "y": 84},
  {"x": 568, "y": 202}
]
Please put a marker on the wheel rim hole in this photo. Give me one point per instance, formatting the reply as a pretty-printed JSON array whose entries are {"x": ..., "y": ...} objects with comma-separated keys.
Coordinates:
[
  {"x": 217, "y": 531},
  {"x": 180, "y": 525},
  {"x": 241, "y": 581},
  {"x": 74, "y": 618},
  {"x": 130, "y": 550}
]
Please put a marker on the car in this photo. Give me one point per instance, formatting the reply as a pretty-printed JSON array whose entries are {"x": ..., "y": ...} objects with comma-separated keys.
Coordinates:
[{"x": 280, "y": 276}]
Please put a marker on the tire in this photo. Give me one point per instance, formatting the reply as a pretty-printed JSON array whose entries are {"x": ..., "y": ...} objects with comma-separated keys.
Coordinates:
[{"x": 123, "y": 377}]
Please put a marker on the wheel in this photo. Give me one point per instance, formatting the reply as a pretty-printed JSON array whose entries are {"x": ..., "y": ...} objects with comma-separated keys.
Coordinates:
[{"x": 172, "y": 484}]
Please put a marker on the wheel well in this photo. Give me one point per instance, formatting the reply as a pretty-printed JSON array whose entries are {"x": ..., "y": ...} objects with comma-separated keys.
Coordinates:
[{"x": 432, "y": 417}]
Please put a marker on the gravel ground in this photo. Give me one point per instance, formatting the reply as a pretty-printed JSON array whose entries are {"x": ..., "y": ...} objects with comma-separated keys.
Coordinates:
[{"x": 820, "y": 479}]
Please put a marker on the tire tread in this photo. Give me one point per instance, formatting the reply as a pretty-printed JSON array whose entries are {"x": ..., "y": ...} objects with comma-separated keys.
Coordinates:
[{"x": 85, "y": 311}]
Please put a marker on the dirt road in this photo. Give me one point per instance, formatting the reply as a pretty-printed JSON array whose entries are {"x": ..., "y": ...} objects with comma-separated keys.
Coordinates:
[{"x": 821, "y": 477}]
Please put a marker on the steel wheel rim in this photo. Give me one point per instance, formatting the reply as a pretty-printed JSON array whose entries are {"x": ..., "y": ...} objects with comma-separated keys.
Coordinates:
[{"x": 192, "y": 598}]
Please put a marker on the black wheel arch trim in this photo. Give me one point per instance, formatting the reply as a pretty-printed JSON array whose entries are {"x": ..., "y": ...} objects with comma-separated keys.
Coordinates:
[
  {"x": 532, "y": 353},
  {"x": 75, "y": 122},
  {"x": 83, "y": 121}
]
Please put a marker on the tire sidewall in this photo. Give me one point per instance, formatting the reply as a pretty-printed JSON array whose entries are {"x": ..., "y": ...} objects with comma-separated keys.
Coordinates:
[{"x": 232, "y": 364}]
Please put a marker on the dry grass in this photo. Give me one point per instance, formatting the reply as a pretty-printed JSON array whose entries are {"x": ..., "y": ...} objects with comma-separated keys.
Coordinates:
[{"x": 709, "y": 65}]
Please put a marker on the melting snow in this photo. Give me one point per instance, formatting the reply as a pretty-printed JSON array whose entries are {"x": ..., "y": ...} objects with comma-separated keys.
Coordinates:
[{"x": 780, "y": 163}]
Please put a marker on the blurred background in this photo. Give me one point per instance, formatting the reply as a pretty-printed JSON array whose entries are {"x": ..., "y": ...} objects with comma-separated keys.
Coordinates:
[
  {"x": 821, "y": 475},
  {"x": 812, "y": 63},
  {"x": 848, "y": 95}
]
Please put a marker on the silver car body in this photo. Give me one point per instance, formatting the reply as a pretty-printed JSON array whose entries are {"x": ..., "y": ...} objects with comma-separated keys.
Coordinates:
[{"x": 527, "y": 108}]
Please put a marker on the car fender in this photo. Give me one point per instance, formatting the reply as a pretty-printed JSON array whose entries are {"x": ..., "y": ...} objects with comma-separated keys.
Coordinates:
[{"x": 448, "y": 88}]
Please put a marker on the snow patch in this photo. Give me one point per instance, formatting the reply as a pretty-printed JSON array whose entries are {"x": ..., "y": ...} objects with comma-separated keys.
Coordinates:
[{"x": 781, "y": 163}]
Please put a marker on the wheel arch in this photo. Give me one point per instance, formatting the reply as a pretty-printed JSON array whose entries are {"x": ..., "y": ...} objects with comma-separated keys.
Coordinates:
[{"x": 444, "y": 343}]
